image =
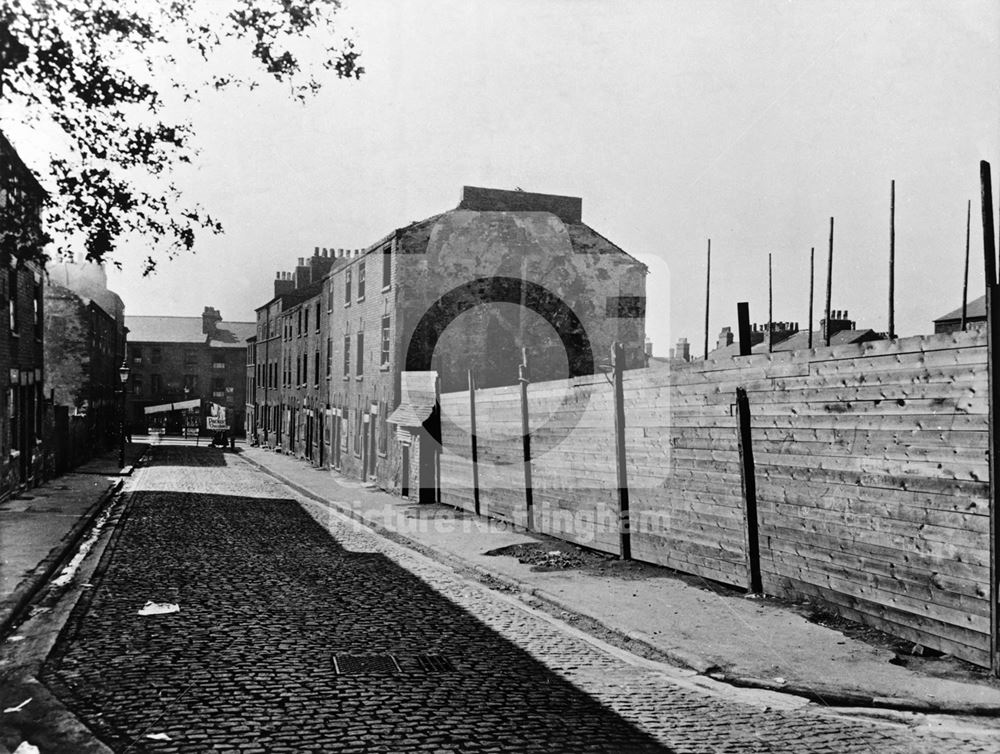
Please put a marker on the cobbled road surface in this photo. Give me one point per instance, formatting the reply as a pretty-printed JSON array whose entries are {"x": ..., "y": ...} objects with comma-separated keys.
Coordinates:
[{"x": 300, "y": 631}]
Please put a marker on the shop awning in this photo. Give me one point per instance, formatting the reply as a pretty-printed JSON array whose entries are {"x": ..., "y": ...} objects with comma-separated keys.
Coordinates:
[
  {"x": 418, "y": 396},
  {"x": 179, "y": 406}
]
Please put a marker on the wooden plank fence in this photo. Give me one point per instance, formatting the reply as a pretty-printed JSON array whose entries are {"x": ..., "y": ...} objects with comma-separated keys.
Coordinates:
[{"x": 870, "y": 466}]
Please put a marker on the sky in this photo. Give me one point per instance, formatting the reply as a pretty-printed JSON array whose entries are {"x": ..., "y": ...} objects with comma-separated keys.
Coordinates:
[{"x": 749, "y": 123}]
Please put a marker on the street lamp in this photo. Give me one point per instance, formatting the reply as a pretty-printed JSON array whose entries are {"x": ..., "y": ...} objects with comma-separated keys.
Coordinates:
[{"x": 123, "y": 372}]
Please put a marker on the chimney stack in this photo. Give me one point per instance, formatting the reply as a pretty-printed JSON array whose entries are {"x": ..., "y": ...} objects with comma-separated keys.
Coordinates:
[
  {"x": 319, "y": 266},
  {"x": 209, "y": 319},
  {"x": 302, "y": 274},
  {"x": 283, "y": 284},
  {"x": 725, "y": 338}
]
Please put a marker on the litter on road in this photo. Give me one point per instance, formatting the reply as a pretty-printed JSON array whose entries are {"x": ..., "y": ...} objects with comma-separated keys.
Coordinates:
[
  {"x": 159, "y": 608},
  {"x": 158, "y": 737},
  {"x": 26, "y": 748},
  {"x": 19, "y": 707}
]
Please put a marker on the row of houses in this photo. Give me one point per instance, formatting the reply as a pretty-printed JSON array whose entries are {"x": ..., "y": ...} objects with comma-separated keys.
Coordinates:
[
  {"x": 62, "y": 342},
  {"x": 353, "y": 346}
]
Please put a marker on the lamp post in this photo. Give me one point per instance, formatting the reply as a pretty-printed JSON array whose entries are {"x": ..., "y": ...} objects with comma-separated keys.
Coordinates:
[{"x": 123, "y": 372}]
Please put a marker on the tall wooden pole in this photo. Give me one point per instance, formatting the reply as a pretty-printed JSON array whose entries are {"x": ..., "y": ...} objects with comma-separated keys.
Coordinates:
[
  {"x": 474, "y": 441},
  {"x": 770, "y": 307},
  {"x": 965, "y": 279},
  {"x": 621, "y": 466},
  {"x": 522, "y": 377},
  {"x": 812, "y": 280},
  {"x": 829, "y": 286},
  {"x": 708, "y": 285},
  {"x": 992, "y": 331},
  {"x": 892, "y": 261}
]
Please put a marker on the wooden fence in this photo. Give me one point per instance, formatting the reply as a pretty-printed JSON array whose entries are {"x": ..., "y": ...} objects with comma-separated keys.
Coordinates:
[{"x": 870, "y": 466}]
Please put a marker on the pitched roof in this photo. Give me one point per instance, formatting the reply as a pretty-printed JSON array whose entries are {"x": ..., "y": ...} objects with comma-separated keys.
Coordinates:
[
  {"x": 974, "y": 310},
  {"x": 798, "y": 342},
  {"x": 146, "y": 329}
]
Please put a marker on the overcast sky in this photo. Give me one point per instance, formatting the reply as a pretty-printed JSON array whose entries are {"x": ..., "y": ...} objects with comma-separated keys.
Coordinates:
[{"x": 750, "y": 123}]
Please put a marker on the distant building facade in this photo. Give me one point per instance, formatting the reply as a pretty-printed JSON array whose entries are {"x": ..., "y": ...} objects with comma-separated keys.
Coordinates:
[
  {"x": 786, "y": 336},
  {"x": 197, "y": 361},
  {"x": 84, "y": 349},
  {"x": 22, "y": 358},
  {"x": 464, "y": 290},
  {"x": 975, "y": 317}
]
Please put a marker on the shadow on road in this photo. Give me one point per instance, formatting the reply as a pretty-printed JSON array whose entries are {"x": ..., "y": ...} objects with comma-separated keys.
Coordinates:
[{"x": 286, "y": 639}]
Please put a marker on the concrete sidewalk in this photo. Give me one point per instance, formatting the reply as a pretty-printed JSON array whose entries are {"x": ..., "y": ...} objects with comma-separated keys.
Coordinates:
[
  {"x": 41, "y": 525},
  {"x": 752, "y": 642}
]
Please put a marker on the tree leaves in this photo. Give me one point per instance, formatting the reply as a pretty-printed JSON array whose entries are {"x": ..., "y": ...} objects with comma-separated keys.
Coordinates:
[{"x": 98, "y": 71}]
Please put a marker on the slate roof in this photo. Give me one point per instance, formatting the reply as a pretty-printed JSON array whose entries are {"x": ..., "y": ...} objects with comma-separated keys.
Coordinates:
[
  {"x": 799, "y": 342},
  {"x": 145, "y": 329},
  {"x": 975, "y": 310}
]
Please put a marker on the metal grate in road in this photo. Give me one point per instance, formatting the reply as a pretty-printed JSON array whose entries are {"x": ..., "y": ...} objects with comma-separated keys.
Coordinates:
[
  {"x": 380, "y": 664},
  {"x": 354, "y": 664}
]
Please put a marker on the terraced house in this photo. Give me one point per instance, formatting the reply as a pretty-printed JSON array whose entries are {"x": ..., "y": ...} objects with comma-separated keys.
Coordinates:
[
  {"x": 22, "y": 357},
  {"x": 348, "y": 351}
]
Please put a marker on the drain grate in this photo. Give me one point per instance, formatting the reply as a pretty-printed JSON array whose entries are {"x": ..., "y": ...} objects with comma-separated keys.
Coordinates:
[
  {"x": 376, "y": 664},
  {"x": 351, "y": 664}
]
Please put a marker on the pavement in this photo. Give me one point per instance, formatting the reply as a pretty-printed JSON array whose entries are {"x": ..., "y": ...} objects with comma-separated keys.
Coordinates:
[
  {"x": 298, "y": 629},
  {"x": 40, "y": 526},
  {"x": 727, "y": 636},
  {"x": 714, "y": 635}
]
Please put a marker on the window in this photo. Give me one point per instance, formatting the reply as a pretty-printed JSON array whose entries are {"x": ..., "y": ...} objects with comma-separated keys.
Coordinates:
[
  {"x": 191, "y": 383},
  {"x": 37, "y": 310},
  {"x": 156, "y": 356},
  {"x": 386, "y": 267},
  {"x": 190, "y": 358},
  {"x": 317, "y": 316},
  {"x": 156, "y": 384},
  {"x": 305, "y": 312},
  {"x": 347, "y": 356},
  {"x": 361, "y": 280},
  {"x": 357, "y": 432},
  {"x": 13, "y": 302},
  {"x": 298, "y": 370},
  {"x": 136, "y": 385},
  {"x": 218, "y": 387},
  {"x": 383, "y": 429},
  {"x": 136, "y": 356},
  {"x": 300, "y": 322},
  {"x": 329, "y": 296},
  {"x": 218, "y": 365},
  {"x": 359, "y": 366},
  {"x": 316, "y": 368},
  {"x": 386, "y": 342},
  {"x": 329, "y": 357},
  {"x": 347, "y": 287}
]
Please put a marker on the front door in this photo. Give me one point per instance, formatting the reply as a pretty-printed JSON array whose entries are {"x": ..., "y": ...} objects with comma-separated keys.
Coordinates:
[{"x": 405, "y": 484}]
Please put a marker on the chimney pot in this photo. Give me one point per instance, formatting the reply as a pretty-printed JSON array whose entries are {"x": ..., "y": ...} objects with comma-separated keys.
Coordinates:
[{"x": 315, "y": 251}]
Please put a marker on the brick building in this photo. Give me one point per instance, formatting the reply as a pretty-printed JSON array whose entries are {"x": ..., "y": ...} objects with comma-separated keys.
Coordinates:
[
  {"x": 84, "y": 349},
  {"x": 22, "y": 359},
  {"x": 464, "y": 290},
  {"x": 195, "y": 361},
  {"x": 975, "y": 317}
]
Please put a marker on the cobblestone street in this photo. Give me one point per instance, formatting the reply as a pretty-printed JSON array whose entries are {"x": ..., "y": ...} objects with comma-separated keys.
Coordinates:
[{"x": 301, "y": 631}]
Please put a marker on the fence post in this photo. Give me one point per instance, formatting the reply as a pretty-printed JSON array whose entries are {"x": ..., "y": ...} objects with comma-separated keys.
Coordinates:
[
  {"x": 743, "y": 327},
  {"x": 748, "y": 482},
  {"x": 522, "y": 377},
  {"x": 992, "y": 331},
  {"x": 475, "y": 447},
  {"x": 624, "y": 524}
]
